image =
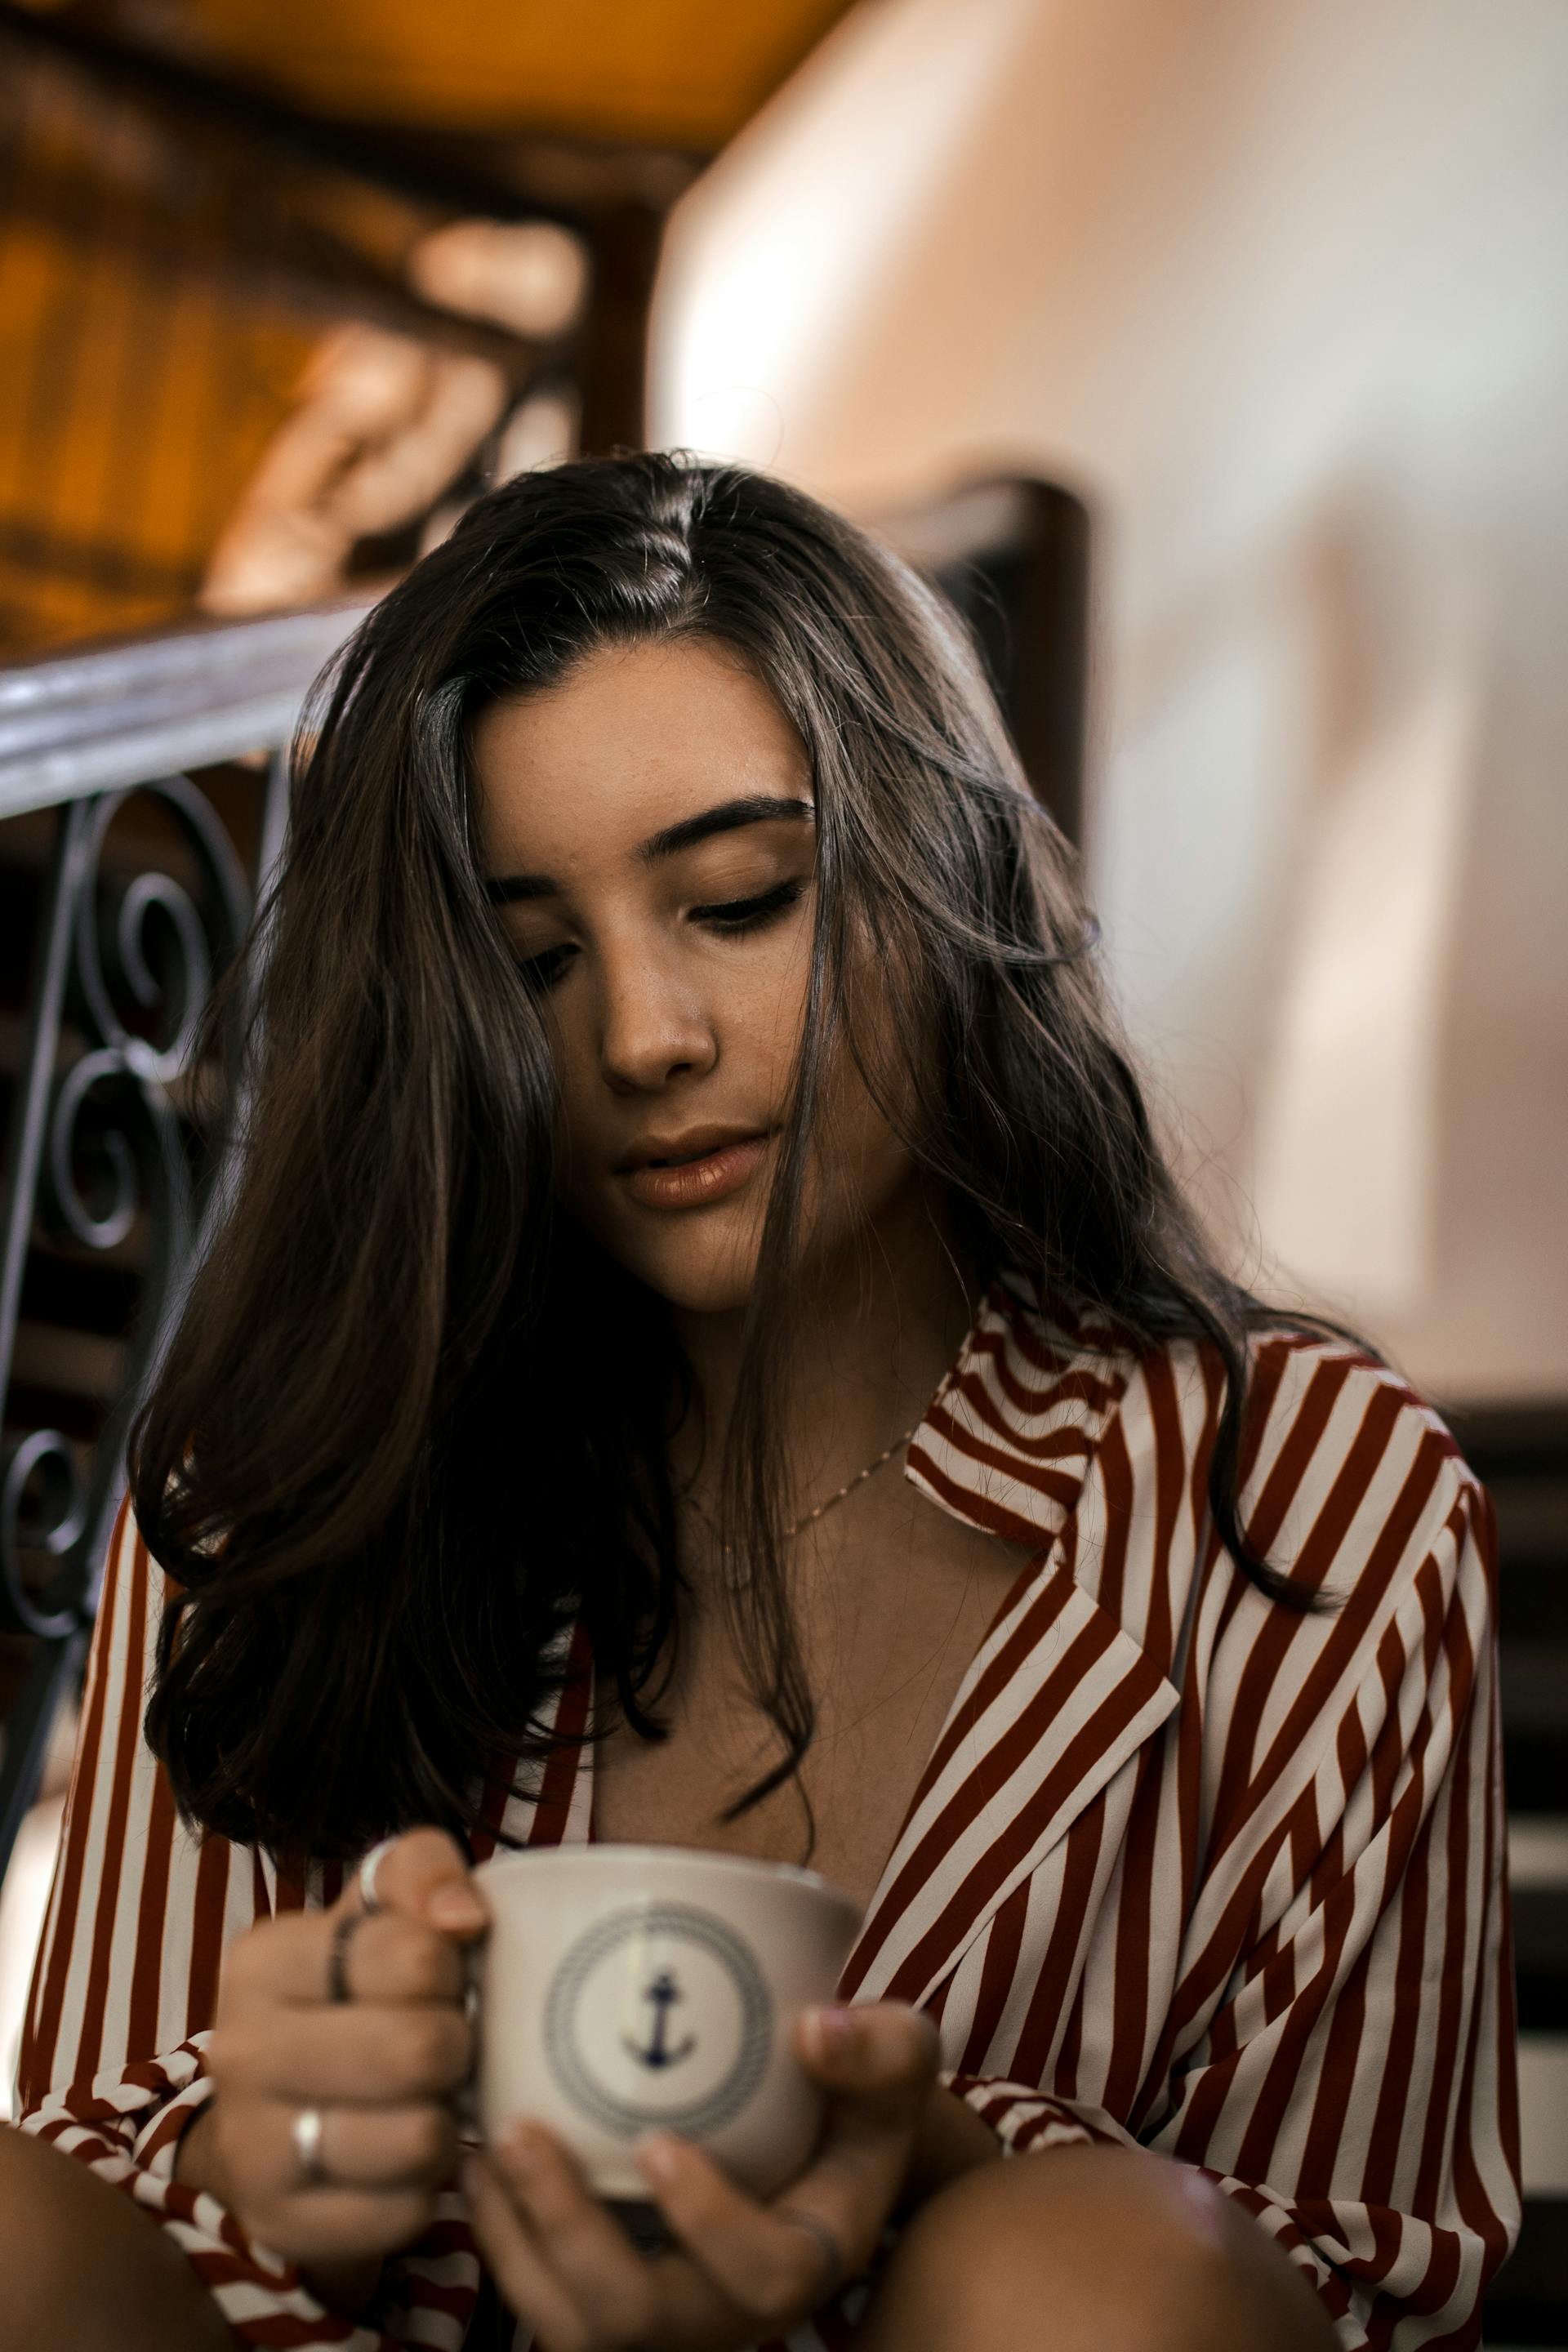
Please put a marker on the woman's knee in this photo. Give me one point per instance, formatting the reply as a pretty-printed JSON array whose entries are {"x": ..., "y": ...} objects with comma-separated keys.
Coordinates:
[
  {"x": 1109, "y": 2249},
  {"x": 83, "y": 2266}
]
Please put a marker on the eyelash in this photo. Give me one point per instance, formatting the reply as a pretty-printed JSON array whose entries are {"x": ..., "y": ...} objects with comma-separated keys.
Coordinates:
[{"x": 733, "y": 919}]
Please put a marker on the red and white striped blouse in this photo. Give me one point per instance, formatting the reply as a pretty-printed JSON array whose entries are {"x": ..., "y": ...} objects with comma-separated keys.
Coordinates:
[{"x": 1186, "y": 1869}]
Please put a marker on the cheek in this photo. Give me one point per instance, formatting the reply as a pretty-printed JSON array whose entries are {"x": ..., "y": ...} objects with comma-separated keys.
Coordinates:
[
  {"x": 573, "y": 1103},
  {"x": 863, "y": 1153},
  {"x": 862, "y": 1161},
  {"x": 764, "y": 1018}
]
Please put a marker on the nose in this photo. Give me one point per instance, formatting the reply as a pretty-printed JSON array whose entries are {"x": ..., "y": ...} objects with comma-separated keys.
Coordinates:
[{"x": 653, "y": 1028}]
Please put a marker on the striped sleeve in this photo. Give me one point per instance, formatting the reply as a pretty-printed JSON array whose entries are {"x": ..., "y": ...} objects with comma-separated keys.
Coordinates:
[
  {"x": 124, "y": 1991},
  {"x": 1337, "y": 2053}
]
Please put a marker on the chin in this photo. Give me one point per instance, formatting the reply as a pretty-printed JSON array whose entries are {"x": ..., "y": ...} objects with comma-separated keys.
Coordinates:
[
  {"x": 700, "y": 1273},
  {"x": 697, "y": 1290}
]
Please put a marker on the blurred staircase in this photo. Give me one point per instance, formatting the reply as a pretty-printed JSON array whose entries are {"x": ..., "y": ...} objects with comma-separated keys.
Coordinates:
[{"x": 1522, "y": 1453}]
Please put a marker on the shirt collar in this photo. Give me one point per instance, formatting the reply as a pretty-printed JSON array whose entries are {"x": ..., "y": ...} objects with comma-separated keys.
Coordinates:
[{"x": 1007, "y": 1439}]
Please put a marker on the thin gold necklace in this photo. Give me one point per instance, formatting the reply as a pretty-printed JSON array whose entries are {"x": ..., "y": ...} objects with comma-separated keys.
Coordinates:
[{"x": 848, "y": 1487}]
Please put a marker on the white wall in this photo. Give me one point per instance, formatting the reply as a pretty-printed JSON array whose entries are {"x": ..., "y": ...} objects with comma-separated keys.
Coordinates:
[{"x": 1282, "y": 288}]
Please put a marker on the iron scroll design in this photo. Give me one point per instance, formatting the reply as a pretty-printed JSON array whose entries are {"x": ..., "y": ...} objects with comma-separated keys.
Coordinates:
[{"x": 124, "y": 966}]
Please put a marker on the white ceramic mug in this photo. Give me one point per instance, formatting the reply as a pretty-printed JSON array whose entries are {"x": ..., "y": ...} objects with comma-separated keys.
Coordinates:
[{"x": 628, "y": 1989}]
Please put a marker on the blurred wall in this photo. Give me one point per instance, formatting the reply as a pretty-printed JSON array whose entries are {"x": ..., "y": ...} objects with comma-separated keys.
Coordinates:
[{"x": 1281, "y": 289}]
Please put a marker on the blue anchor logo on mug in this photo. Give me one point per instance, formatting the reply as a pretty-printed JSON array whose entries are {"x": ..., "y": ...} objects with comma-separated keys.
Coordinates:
[
  {"x": 655, "y": 2052},
  {"x": 658, "y": 2015}
]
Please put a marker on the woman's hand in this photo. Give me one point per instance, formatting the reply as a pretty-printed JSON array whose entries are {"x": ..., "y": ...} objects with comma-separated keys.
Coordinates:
[
  {"x": 380, "y": 2068},
  {"x": 742, "y": 2269}
]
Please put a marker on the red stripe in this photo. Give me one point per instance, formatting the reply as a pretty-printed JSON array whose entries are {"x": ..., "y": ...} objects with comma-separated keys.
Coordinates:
[
  {"x": 1039, "y": 2031},
  {"x": 141, "y": 2020},
  {"x": 126, "y": 1739},
  {"x": 1004, "y": 1942},
  {"x": 41, "y": 2035},
  {"x": 1171, "y": 1475},
  {"x": 1115, "y": 1467},
  {"x": 207, "y": 1931}
]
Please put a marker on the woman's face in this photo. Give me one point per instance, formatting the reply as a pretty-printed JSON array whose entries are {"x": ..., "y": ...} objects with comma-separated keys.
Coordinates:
[{"x": 649, "y": 827}]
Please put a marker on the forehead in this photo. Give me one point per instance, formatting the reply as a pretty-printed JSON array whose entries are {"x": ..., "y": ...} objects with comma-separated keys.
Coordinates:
[{"x": 634, "y": 738}]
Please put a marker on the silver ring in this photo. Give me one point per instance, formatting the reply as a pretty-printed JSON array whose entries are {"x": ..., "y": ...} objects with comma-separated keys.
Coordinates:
[
  {"x": 306, "y": 2131},
  {"x": 834, "y": 2265},
  {"x": 345, "y": 1929},
  {"x": 367, "y": 1871}
]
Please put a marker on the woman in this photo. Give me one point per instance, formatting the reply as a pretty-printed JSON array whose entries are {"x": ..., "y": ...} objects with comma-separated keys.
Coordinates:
[{"x": 681, "y": 1090}]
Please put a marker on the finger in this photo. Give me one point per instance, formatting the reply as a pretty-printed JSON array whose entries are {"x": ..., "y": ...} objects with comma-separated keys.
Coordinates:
[
  {"x": 328, "y": 2225},
  {"x": 363, "y": 2054},
  {"x": 388, "y": 1957},
  {"x": 585, "y": 2249},
  {"x": 879, "y": 2062},
  {"x": 528, "y": 2286},
  {"x": 410, "y": 2146},
  {"x": 769, "y": 2270},
  {"x": 424, "y": 1875},
  {"x": 880, "y": 2059}
]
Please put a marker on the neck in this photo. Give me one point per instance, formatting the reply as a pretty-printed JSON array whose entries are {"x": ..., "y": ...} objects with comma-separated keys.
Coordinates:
[{"x": 878, "y": 1329}]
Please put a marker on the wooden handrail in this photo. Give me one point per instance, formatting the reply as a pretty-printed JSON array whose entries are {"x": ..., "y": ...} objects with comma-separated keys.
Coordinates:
[{"x": 102, "y": 717}]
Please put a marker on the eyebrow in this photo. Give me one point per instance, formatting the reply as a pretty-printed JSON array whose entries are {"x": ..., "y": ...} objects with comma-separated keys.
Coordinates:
[{"x": 503, "y": 889}]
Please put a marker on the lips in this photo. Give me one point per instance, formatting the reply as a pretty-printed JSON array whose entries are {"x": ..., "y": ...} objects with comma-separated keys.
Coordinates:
[
  {"x": 693, "y": 1180},
  {"x": 693, "y": 1143}
]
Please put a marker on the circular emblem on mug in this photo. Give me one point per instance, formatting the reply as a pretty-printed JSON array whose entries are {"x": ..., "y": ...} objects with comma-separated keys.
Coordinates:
[{"x": 658, "y": 2016}]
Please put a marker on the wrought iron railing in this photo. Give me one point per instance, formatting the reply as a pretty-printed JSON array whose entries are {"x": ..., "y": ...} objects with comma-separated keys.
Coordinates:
[{"x": 142, "y": 804}]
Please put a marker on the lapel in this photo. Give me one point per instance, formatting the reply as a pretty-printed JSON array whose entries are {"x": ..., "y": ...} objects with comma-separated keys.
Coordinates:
[{"x": 1060, "y": 1692}]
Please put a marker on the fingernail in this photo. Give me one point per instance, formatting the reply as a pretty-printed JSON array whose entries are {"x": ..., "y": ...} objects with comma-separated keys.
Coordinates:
[
  {"x": 454, "y": 1906},
  {"x": 830, "y": 2031},
  {"x": 656, "y": 2155}
]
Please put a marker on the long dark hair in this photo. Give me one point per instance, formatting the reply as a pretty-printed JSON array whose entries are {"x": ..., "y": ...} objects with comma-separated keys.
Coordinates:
[{"x": 412, "y": 1423}]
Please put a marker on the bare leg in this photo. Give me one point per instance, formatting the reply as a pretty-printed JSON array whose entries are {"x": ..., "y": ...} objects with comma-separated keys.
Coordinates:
[
  {"x": 83, "y": 2266},
  {"x": 1090, "y": 2250}
]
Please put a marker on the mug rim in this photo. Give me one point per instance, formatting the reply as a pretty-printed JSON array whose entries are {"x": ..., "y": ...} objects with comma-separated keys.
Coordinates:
[{"x": 743, "y": 1865}]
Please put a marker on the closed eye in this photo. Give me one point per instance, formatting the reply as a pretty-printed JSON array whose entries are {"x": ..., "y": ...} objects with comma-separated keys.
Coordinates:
[
  {"x": 733, "y": 918},
  {"x": 750, "y": 914},
  {"x": 544, "y": 971}
]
